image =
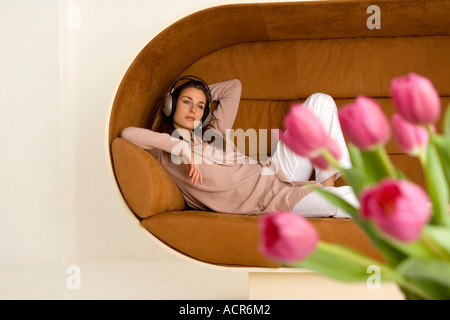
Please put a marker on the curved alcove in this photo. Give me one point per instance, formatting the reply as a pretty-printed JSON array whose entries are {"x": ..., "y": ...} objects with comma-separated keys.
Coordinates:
[{"x": 282, "y": 53}]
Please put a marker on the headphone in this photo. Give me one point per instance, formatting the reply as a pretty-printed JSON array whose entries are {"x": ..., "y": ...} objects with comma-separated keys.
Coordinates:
[{"x": 170, "y": 103}]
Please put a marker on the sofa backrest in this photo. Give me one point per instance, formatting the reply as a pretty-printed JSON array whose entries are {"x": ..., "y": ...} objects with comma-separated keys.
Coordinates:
[
  {"x": 276, "y": 74},
  {"x": 283, "y": 52}
]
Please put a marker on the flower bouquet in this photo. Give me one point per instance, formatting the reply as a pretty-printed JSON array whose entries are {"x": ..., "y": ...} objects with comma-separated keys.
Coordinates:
[{"x": 409, "y": 225}]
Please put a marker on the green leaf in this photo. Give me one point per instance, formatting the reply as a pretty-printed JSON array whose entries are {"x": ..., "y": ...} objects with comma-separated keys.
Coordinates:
[
  {"x": 417, "y": 249},
  {"x": 437, "y": 187},
  {"x": 355, "y": 156},
  {"x": 337, "y": 201},
  {"x": 442, "y": 144},
  {"x": 425, "y": 279},
  {"x": 392, "y": 252},
  {"x": 434, "y": 270},
  {"x": 441, "y": 236},
  {"x": 377, "y": 164},
  {"x": 344, "y": 264},
  {"x": 446, "y": 123},
  {"x": 357, "y": 179}
]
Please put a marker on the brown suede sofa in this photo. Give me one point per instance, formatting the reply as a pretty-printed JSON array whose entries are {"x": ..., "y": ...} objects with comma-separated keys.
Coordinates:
[{"x": 282, "y": 53}]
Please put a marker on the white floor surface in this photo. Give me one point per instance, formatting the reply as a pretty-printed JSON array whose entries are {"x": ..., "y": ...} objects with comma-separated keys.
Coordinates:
[{"x": 175, "y": 280}]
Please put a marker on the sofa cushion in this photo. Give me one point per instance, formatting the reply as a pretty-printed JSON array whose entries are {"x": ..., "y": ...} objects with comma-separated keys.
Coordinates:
[{"x": 145, "y": 184}]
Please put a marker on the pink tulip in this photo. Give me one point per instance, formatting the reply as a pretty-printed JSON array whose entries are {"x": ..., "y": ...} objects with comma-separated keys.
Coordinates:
[
  {"x": 304, "y": 133},
  {"x": 416, "y": 99},
  {"x": 287, "y": 237},
  {"x": 364, "y": 123},
  {"x": 397, "y": 207},
  {"x": 411, "y": 138}
]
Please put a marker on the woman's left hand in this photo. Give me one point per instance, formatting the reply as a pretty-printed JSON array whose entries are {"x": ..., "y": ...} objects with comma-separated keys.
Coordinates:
[{"x": 194, "y": 171}]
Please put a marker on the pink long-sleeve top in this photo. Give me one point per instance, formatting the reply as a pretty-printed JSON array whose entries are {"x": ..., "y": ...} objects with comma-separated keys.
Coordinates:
[{"x": 232, "y": 182}]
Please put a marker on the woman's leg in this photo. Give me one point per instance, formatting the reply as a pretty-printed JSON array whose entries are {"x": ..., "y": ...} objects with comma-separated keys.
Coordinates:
[
  {"x": 297, "y": 168},
  {"x": 315, "y": 205},
  {"x": 325, "y": 109}
]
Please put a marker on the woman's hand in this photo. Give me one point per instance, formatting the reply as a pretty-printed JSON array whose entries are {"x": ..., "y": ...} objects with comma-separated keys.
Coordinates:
[{"x": 194, "y": 171}]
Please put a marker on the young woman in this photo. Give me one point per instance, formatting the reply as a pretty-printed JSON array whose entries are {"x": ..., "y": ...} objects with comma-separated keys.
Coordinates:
[{"x": 213, "y": 175}]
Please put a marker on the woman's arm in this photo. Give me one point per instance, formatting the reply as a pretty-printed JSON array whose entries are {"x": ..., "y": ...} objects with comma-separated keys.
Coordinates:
[
  {"x": 149, "y": 139},
  {"x": 228, "y": 94}
]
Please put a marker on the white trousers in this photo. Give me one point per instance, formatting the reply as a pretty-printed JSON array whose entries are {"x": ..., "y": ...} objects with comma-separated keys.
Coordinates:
[{"x": 298, "y": 168}]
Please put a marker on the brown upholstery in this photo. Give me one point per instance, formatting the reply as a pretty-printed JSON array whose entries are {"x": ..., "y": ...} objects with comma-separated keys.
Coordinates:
[
  {"x": 282, "y": 53},
  {"x": 156, "y": 191},
  {"x": 229, "y": 240}
]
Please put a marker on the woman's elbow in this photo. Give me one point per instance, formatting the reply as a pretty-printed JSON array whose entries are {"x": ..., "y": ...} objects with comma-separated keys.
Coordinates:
[
  {"x": 237, "y": 83},
  {"x": 128, "y": 133}
]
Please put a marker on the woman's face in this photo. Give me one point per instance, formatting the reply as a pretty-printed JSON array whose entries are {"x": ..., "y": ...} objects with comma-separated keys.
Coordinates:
[{"x": 190, "y": 107}]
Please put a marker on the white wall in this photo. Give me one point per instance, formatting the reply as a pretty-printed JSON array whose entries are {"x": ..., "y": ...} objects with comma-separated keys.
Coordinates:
[
  {"x": 58, "y": 76},
  {"x": 57, "y": 79},
  {"x": 30, "y": 188},
  {"x": 97, "y": 224}
]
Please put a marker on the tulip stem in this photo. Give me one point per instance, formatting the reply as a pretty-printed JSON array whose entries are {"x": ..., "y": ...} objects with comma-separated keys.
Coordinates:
[
  {"x": 423, "y": 158},
  {"x": 428, "y": 241},
  {"x": 413, "y": 289},
  {"x": 345, "y": 254},
  {"x": 332, "y": 160},
  {"x": 387, "y": 169},
  {"x": 431, "y": 129}
]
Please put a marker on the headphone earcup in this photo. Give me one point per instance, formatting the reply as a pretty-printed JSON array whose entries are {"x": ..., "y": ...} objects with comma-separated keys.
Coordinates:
[
  {"x": 170, "y": 104},
  {"x": 167, "y": 109}
]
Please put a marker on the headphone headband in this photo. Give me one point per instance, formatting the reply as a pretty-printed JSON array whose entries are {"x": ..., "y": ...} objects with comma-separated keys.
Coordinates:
[{"x": 188, "y": 77}]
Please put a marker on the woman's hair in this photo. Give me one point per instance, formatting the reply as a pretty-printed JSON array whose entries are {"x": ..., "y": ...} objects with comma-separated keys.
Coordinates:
[{"x": 164, "y": 124}]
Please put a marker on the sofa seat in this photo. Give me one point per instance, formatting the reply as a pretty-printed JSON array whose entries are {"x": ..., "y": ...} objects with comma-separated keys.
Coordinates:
[
  {"x": 233, "y": 240},
  {"x": 281, "y": 53}
]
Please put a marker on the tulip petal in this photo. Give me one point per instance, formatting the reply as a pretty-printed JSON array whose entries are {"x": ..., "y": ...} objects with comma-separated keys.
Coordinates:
[
  {"x": 412, "y": 139},
  {"x": 304, "y": 133},
  {"x": 416, "y": 99},
  {"x": 397, "y": 207},
  {"x": 364, "y": 123},
  {"x": 287, "y": 237}
]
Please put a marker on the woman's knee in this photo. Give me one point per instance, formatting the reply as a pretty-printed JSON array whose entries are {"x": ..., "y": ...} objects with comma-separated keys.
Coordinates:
[
  {"x": 321, "y": 102},
  {"x": 319, "y": 97}
]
